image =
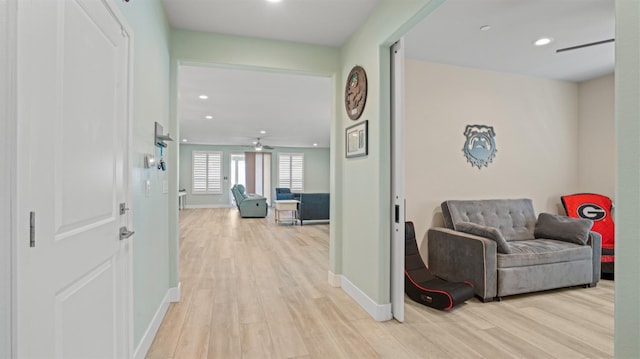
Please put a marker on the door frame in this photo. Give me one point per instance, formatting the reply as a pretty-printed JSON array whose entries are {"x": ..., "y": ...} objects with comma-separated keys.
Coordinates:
[
  {"x": 8, "y": 43},
  {"x": 397, "y": 217},
  {"x": 17, "y": 150}
]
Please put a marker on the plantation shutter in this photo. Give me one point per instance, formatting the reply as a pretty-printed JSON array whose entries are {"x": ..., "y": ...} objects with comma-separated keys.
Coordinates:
[
  {"x": 291, "y": 171},
  {"x": 207, "y": 172}
]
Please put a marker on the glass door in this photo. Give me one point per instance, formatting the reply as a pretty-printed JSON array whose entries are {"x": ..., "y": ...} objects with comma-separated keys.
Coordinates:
[{"x": 238, "y": 175}]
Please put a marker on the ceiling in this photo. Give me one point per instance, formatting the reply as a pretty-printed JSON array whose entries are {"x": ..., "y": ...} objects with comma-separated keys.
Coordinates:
[
  {"x": 452, "y": 35},
  {"x": 318, "y": 22},
  {"x": 295, "y": 110}
]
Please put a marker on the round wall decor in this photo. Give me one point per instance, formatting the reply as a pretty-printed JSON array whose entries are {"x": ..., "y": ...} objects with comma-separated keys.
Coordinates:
[{"x": 355, "y": 92}]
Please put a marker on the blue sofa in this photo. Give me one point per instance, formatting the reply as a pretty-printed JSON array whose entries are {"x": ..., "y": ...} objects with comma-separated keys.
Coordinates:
[
  {"x": 313, "y": 206},
  {"x": 250, "y": 206}
]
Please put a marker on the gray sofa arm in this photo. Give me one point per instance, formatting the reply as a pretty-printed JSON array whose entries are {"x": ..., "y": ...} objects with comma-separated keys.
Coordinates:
[
  {"x": 458, "y": 257},
  {"x": 595, "y": 241}
]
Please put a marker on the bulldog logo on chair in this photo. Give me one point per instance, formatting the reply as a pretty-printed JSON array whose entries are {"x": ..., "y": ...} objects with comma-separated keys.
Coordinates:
[{"x": 480, "y": 147}]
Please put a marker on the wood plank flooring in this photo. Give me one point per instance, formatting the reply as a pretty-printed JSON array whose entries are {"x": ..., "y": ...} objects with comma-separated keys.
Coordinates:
[{"x": 255, "y": 289}]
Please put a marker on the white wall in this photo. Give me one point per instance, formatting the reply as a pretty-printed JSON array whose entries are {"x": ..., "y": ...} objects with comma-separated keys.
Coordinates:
[
  {"x": 596, "y": 137},
  {"x": 536, "y": 126}
]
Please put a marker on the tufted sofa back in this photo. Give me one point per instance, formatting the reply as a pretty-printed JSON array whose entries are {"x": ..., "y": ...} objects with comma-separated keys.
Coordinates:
[{"x": 515, "y": 218}]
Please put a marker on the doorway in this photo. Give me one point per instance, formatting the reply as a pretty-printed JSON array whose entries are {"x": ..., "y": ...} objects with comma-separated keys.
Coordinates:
[{"x": 238, "y": 173}]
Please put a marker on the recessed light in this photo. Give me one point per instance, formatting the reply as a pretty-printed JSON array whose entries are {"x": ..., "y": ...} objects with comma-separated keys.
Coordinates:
[
  {"x": 543, "y": 41},
  {"x": 203, "y": 97},
  {"x": 485, "y": 27},
  {"x": 274, "y": 1},
  {"x": 208, "y": 117},
  {"x": 184, "y": 140},
  {"x": 263, "y": 132},
  {"x": 315, "y": 145}
]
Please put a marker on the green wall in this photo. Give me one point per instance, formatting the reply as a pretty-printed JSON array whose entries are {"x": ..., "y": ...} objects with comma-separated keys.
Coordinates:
[
  {"x": 316, "y": 171},
  {"x": 150, "y": 211},
  {"x": 627, "y": 109},
  {"x": 365, "y": 181}
]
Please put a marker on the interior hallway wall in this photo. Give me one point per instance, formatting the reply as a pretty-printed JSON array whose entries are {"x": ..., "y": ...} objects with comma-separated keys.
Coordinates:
[
  {"x": 151, "y": 261},
  {"x": 627, "y": 127}
]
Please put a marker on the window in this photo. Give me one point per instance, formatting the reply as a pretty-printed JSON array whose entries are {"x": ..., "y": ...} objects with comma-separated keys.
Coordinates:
[
  {"x": 207, "y": 172},
  {"x": 291, "y": 171}
]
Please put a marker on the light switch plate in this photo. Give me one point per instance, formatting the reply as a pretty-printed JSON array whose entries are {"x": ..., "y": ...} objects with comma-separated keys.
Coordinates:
[{"x": 147, "y": 188}]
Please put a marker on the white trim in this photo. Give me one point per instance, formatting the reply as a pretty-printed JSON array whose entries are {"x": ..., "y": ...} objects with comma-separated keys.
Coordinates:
[
  {"x": 10, "y": 168},
  {"x": 379, "y": 312},
  {"x": 175, "y": 293},
  {"x": 128, "y": 291},
  {"x": 193, "y": 206},
  {"x": 172, "y": 295},
  {"x": 335, "y": 280},
  {"x": 397, "y": 225}
]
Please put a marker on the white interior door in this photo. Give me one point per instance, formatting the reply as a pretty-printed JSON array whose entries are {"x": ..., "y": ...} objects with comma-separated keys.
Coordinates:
[
  {"x": 73, "y": 145},
  {"x": 397, "y": 181}
]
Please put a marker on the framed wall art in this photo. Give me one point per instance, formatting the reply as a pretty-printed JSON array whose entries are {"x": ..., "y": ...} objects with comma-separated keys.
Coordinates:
[{"x": 356, "y": 139}]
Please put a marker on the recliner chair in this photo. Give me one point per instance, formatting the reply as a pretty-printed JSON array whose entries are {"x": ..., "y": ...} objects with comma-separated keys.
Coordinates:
[{"x": 249, "y": 206}]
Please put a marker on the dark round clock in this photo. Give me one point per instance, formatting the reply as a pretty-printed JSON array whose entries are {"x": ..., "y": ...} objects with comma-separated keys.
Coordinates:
[{"x": 355, "y": 92}]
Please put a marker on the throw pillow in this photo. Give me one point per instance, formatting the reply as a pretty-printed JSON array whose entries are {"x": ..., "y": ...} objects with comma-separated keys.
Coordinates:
[
  {"x": 487, "y": 232},
  {"x": 552, "y": 226}
]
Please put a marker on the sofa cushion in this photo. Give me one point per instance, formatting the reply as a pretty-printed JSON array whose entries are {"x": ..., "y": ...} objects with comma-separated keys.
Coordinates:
[
  {"x": 574, "y": 230},
  {"x": 542, "y": 251},
  {"x": 487, "y": 232},
  {"x": 514, "y": 218}
]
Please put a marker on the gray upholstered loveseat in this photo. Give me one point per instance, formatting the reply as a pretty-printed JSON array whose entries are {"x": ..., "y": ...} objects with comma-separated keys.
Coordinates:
[{"x": 500, "y": 247}]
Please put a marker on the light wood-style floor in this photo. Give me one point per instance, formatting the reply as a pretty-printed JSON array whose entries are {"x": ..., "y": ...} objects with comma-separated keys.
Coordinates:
[{"x": 255, "y": 289}]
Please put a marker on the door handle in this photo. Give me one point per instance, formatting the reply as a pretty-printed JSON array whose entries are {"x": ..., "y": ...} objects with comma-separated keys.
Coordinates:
[
  {"x": 125, "y": 233},
  {"x": 397, "y": 214}
]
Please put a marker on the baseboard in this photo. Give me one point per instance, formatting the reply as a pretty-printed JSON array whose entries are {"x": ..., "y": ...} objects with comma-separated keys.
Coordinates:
[
  {"x": 172, "y": 295},
  {"x": 379, "y": 312},
  {"x": 335, "y": 280},
  {"x": 196, "y": 206}
]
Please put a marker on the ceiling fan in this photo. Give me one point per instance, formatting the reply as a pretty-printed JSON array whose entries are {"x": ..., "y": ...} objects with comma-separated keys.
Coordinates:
[
  {"x": 258, "y": 146},
  {"x": 585, "y": 45}
]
